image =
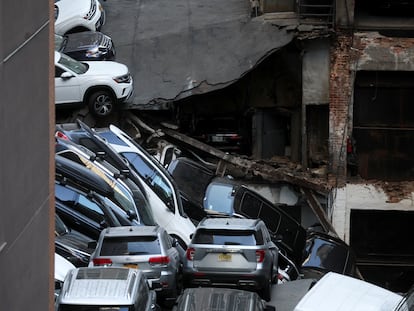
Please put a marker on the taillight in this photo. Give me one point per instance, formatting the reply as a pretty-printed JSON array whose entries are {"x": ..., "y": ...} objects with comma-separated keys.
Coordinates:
[
  {"x": 260, "y": 254},
  {"x": 102, "y": 262},
  {"x": 235, "y": 137},
  {"x": 190, "y": 253},
  {"x": 61, "y": 135},
  {"x": 160, "y": 260}
]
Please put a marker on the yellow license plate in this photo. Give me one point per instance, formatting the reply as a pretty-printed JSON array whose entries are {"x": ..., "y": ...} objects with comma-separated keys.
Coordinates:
[
  {"x": 132, "y": 266},
  {"x": 224, "y": 257}
]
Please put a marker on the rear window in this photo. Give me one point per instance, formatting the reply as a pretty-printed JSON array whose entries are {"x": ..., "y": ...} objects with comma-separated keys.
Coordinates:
[
  {"x": 119, "y": 246},
  {"x": 228, "y": 237}
]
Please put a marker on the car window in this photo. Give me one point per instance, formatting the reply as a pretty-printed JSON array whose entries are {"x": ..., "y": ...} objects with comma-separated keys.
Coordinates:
[
  {"x": 112, "y": 139},
  {"x": 90, "y": 209},
  {"x": 65, "y": 194},
  {"x": 254, "y": 208},
  {"x": 71, "y": 64},
  {"x": 228, "y": 237},
  {"x": 151, "y": 177},
  {"x": 58, "y": 72},
  {"x": 219, "y": 198},
  {"x": 130, "y": 245}
]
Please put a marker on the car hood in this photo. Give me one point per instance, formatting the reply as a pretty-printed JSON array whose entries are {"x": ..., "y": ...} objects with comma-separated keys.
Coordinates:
[
  {"x": 62, "y": 266},
  {"x": 107, "y": 67},
  {"x": 71, "y": 8},
  {"x": 83, "y": 40}
]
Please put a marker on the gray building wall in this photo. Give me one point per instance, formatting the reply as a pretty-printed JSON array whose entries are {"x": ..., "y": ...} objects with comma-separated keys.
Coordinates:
[{"x": 26, "y": 164}]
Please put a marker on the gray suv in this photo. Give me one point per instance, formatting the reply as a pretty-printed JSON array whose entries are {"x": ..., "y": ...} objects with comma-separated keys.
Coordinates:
[
  {"x": 231, "y": 252},
  {"x": 97, "y": 289},
  {"x": 147, "y": 248}
]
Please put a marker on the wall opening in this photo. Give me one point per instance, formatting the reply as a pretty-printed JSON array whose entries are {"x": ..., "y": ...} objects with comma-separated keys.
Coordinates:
[
  {"x": 383, "y": 125},
  {"x": 382, "y": 241}
]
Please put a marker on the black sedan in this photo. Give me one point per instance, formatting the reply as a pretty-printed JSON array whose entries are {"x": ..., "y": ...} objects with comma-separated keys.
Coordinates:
[{"x": 86, "y": 46}]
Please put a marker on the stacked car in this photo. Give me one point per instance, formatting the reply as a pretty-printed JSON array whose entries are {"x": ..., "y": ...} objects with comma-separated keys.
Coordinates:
[{"x": 83, "y": 74}]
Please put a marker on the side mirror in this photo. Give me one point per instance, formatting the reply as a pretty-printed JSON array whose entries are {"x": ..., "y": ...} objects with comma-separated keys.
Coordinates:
[{"x": 66, "y": 75}]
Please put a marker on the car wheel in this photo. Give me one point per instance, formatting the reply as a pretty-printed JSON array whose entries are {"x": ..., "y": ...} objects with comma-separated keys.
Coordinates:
[{"x": 101, "y": 103}]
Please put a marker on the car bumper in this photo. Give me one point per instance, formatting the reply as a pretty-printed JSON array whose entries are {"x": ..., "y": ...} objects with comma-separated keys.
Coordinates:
[
  {"x": 127, "y": 93},
  {"x": 255, "y": 280}
]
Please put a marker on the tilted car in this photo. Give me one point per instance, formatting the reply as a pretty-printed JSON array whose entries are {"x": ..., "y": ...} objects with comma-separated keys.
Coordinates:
[
  {"x": 232, "y": 252},
  {"x": 106, "y": 288},
  {"x": 325, "y": 253},
  {"x": 148, "y": 248},
  {"x": 102, "y": 86},
  {"x": 78, "y": 15},
  {"x": 128, "y": 195},
  {"x": 116, "y": 147},
  {"x": 220, "y": 299},
  {"x": 86, "y": 46},
  {"x": 336, "y": 291},
  {"x": 129, "y": 199},
  {"x": 230, "y": 197},
  {"x": 72, "y": 245}
]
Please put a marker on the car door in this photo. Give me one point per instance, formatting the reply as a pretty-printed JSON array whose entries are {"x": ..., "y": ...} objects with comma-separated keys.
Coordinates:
[
  {"x": 286, "y": 231},
  {"x": 67, "y": 89}
]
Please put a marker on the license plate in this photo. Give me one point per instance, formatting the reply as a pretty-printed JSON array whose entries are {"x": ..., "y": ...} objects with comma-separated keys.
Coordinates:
[
  {"x": 224, "y": 257},
  {"x": 217, "y": 139},
  {"x": 130, "y": 265}
]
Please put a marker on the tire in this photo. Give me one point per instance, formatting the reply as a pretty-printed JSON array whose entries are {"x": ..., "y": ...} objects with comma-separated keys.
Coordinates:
[{"x": 101, "y": 103}]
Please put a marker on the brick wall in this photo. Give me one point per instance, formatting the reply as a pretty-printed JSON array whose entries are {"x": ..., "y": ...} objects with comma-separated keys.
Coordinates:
[{"x": 340, "y": 89}]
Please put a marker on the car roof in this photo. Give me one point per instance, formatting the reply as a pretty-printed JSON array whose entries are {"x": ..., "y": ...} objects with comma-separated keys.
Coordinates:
[
  {"x": 206, "y": 298},
  {"x": 229, "y": 223},
  {"x": 100, "y": 286},
  {"x": 131, "y": 231},
  {"x": 339, "y": 292}
]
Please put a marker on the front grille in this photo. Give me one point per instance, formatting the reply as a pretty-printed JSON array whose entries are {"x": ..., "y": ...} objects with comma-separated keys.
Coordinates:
[{"x": 106, "y": 42}]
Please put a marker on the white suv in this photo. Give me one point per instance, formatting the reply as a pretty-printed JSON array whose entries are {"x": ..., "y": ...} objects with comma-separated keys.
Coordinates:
[
  {"x": 101, "y": 85},
  {"x": 78, "y": 15}
]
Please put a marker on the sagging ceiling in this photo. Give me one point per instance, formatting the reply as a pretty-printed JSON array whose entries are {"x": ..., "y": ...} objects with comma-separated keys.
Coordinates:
[{"x": 181, "y": 48}]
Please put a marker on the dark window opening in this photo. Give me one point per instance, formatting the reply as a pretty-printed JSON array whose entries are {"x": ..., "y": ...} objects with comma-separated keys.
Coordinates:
[
  {"x": 382, "y": 243},
  {"x": 384, "y": 125},
  {"x": 385, "y": 15}
]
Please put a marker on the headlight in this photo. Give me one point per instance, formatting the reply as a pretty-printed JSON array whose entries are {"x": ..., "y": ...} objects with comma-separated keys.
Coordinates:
[
  {"x": 92, "y": 10},
  {"x": 123, "y": 79},
  {"x": 95, "y": 52}
]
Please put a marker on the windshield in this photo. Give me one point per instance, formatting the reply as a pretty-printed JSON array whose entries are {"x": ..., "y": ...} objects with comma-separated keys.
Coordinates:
[
  {"x": 325, "y": 255},
  {"x": 219, "y": 198},
  {"x": 73, "y": 65}
]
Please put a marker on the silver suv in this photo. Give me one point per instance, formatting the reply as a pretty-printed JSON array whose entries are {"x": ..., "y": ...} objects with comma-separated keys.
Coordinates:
[
  {"x": 232, "y": 252},
  {"x": 96, "y": 289},
  {"x": 147, "y": 248}
]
